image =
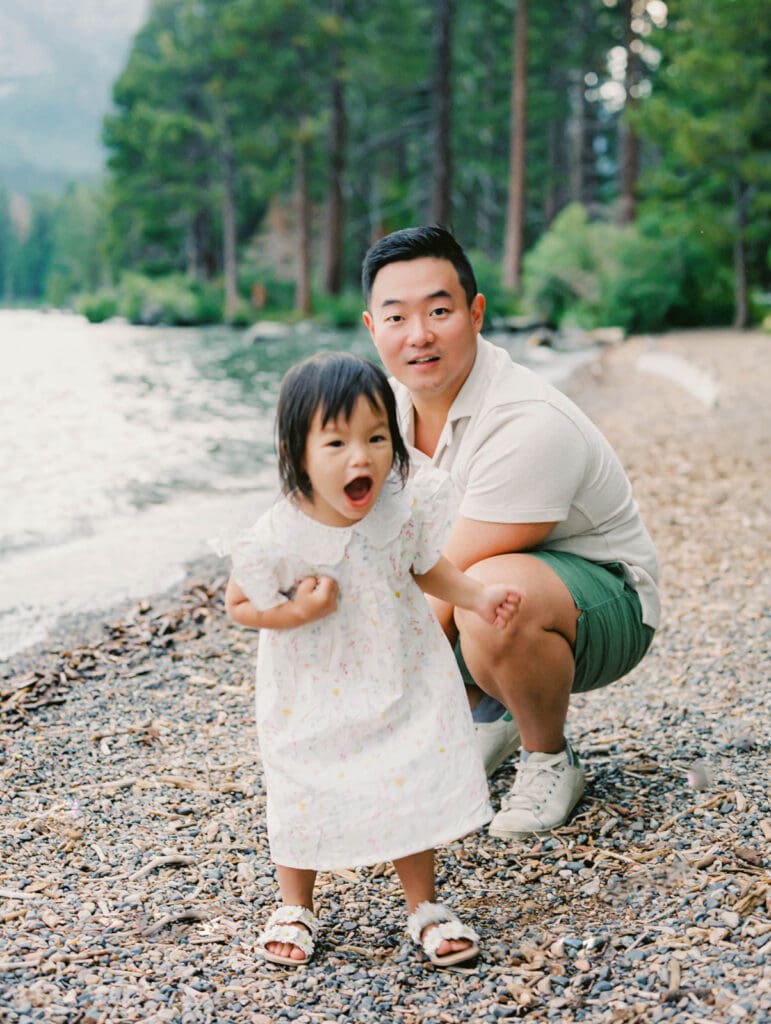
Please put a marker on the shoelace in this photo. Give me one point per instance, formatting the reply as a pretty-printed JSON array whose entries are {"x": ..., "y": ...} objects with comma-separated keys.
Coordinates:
[{"x": 532, "y": 785}]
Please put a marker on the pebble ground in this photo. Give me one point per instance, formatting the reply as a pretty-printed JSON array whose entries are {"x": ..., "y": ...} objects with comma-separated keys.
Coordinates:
[{"x": 134, "y": 869}]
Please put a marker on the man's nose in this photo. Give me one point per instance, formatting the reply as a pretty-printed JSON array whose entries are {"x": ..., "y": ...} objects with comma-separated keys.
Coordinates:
[{"x": 420, "y": 331}]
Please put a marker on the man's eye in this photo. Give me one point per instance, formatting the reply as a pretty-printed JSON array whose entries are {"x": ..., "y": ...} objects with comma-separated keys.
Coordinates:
[
  {"x": 440, "y": 311},
  {"x": 394, "y": 318}
]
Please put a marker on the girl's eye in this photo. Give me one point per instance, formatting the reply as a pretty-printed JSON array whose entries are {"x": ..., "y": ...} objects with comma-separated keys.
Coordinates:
[
  {"x": 335, "y": 444},
  {"x": 378, "y": 438}
]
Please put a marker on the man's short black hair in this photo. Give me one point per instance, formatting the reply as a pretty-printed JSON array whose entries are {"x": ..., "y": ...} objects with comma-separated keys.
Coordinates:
[
  {"x": 331, "y": 383},
  {"x": 415, "y": 244}
]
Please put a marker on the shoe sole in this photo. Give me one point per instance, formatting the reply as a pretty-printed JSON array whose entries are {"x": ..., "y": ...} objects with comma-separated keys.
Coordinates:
[
  {"x": 461, "y": 956},
  {"x": 501, "y": 833}
]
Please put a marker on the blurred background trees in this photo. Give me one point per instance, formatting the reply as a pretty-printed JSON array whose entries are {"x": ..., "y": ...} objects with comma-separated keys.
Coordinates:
[{"x": 603, "y": 161}]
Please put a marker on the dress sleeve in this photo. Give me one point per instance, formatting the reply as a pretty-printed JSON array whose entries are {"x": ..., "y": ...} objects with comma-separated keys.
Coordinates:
[
  {"x": 259, "y": 570},
  {"x": 431, "y": 518}
]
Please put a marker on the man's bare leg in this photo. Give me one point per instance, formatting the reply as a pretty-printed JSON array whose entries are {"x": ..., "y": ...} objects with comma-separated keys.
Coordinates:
[{"x": 528, "y": 666}]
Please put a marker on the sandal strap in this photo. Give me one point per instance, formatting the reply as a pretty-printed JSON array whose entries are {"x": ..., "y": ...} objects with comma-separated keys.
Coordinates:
[
  {"x": 290, "y": 933},
  {"x": 447, "y": 930},
  {"x": 283, "y": 925},
  {"x": 288, "y": 914},
  {"x": 448, "y": 926}
]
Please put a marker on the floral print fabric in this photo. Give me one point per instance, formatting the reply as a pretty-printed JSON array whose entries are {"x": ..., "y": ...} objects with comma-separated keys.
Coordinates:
[{"x": 364, "y": 728}]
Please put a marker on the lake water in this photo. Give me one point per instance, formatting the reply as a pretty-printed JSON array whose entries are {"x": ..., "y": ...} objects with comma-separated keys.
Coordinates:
[{"x": 126, "y": 449}]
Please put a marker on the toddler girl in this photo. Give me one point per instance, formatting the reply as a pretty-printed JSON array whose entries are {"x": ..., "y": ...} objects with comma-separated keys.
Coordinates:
[{"x": 360, "y": 766}]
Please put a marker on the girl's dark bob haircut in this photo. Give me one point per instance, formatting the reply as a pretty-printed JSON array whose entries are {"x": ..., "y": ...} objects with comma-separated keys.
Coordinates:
[{"x": 330, "y": 382}]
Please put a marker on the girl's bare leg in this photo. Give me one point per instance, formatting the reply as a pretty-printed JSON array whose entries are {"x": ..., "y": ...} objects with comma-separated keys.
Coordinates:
[
  {"x": 416, "y": 874},
  {"x": 296, "y": 885}
]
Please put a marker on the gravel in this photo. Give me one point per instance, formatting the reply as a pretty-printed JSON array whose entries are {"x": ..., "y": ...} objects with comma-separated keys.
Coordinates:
[{"x": 135, "y": 874}]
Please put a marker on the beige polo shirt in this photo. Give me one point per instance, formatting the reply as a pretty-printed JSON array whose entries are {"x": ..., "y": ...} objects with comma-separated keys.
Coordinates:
[{"x": 519, "y": 451}]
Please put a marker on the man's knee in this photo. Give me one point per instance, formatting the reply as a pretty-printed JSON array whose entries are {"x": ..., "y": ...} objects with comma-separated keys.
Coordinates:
[{"x": 547, "y": 604}]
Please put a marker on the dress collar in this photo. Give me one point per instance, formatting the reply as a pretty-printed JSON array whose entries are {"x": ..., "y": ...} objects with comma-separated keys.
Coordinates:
[{"x": 318, "y": 543}]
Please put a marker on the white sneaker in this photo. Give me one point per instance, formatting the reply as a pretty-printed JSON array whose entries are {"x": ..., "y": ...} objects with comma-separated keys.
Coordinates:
[
  {"x": 497, "y": 741},
  {"x": 545, "y": 791}
]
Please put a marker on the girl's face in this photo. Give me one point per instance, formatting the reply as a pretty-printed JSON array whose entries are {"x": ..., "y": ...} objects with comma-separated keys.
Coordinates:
[{"x": 347, "y": 462}]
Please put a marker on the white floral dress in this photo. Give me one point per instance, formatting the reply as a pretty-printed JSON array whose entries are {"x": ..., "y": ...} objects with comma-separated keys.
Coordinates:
[{"x": 363, "y": 724}]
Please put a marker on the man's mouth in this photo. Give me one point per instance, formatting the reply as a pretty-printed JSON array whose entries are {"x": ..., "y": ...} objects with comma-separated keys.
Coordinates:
[
  {"x": 359, "y": 490},
  {"x": 422, "y": 360}
]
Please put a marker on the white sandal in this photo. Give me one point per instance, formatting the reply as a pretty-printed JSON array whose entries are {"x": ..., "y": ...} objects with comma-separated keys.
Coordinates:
[
  {"x": 448, "y": 926},
  {"x": 284, "y": 925}
]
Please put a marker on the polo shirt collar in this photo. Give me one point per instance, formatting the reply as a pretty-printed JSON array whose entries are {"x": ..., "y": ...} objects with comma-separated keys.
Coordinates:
[{"x": 470, "y": 396}]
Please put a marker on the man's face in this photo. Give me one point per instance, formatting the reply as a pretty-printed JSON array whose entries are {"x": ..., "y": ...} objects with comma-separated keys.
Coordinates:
[{"x": 423, "y": 327}]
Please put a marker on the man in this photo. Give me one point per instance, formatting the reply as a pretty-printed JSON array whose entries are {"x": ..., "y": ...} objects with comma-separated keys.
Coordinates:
[{"x": 542, "y": 503}]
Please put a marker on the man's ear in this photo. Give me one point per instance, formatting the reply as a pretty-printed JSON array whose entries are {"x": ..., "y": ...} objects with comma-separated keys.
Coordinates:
[
  {"x": 369, "y": 323},
  {"x": 477, "y": 309}
]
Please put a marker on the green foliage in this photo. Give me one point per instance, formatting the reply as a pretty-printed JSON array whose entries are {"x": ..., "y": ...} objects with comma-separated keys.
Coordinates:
[
  {"x": 29, "y": 230},
  {"x": 216, "y": 94},
  {"x": 708, "y": 118},
  {"x": 342, "y": 310},
  {"x": 77, "y": 258},
  {"x": 561, "y": 271},
  {"x": 97, "y": 306},
  {"x": 7, "y": 247},
  {"x": 594, "y": 274},
  {"x": 499, "y": 301},
  {"x": 173, "y": 299}
]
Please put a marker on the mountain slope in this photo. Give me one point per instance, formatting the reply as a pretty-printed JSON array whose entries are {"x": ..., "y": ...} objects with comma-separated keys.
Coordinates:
[{"x": 57, "y": 65}]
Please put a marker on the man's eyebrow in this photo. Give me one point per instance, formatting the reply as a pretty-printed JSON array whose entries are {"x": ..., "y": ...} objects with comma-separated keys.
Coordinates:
[{"x": 441, "y": 293}]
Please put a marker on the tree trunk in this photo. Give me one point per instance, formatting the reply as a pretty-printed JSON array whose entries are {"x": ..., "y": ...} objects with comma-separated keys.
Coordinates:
[
  {"x": 194, "y": 247},
  {"x": 333, "y": 259},
  {"x": 229, "y": 256},
  {"x": 515, "y": 212},
  {"x": 741, "y": 304},
  {"x": 629, "y": 142},
  {"x": 441, "y": 170},
  {"x": 302, "y": 299}
]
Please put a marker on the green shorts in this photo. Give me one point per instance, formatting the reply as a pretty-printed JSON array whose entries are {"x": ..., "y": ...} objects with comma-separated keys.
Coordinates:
[{"x": 611, "y": 637}]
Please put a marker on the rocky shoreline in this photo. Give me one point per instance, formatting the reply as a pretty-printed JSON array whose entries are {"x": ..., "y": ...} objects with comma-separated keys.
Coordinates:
[{"x": 135, "y": 874}]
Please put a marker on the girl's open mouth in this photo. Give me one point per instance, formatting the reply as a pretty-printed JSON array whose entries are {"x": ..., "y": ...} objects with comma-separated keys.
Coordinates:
[{"x": 359, "y": 490}]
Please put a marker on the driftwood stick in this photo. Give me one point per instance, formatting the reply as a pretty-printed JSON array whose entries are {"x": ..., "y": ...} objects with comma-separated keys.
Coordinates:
[
  {"x": 169, "y": 860},
  {"x": 180, "y": 915}
]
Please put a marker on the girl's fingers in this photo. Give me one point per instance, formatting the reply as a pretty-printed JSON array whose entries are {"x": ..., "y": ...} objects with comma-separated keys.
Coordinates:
[{"x": 326, "y": 586}]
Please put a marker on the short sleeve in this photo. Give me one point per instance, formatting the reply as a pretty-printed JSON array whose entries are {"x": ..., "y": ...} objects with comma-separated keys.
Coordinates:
[
  {"x": 431, "y": 516},
  {"x": 258, "y": 570},
  {"x": 526, "y": 468}
]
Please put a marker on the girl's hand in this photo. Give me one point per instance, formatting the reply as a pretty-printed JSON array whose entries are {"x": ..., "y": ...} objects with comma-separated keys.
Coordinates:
[
  {"x": 498, "y": 604},
  {"x": 315, "y": 597}
]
